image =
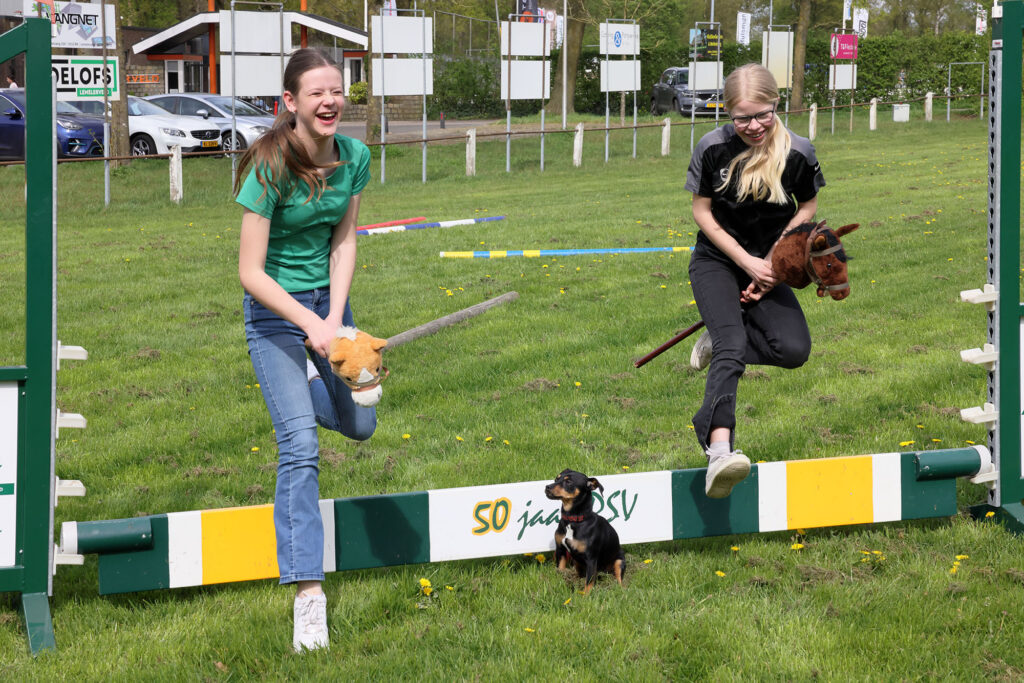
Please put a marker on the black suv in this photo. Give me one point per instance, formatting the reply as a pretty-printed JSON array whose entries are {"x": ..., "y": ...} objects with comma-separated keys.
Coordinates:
[{"x": 672, "y": 93}]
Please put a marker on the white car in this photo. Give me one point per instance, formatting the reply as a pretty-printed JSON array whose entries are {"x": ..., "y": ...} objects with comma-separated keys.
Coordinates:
[{"x": 154, "y": 130}]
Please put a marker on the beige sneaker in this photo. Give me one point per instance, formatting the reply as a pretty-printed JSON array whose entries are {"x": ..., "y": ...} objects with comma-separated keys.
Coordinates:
[
  {"x": 724, "y": 472},
  {"x": 310, "y": 632},
  {"x": 700, "y": 357}
]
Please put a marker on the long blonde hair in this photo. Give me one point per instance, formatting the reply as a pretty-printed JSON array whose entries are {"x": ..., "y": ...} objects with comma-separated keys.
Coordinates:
[
  {"x": 280, "y": 149},
  {"x": 760, "y": 168}
]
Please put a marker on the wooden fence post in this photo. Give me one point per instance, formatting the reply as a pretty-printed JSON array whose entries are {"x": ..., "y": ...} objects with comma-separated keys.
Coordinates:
[
  {"x": 812, "y": 124},
  {"x": 471, "y": 152},
  {"x": 873, "y": 115},
  {"x": 176, "y": 187},
  {"x": 577, "y": 146},
  {"x": 928, "y": 106},
  {"x": 666, "y": 137}
]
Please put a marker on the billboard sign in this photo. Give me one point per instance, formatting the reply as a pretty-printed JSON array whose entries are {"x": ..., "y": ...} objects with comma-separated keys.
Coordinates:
[
  {"x": 843, "y": 46},
  {"x": 76, "y": 25}
]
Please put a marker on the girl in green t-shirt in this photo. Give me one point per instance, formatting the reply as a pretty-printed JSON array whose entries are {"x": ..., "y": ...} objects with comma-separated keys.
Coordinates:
[{"x": 296, "y": 259}]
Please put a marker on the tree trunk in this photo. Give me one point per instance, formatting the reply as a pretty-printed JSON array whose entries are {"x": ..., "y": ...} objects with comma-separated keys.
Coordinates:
[
  {"x": 373, "y": 129},
  {"x": 571, "y": 48},
  {"x": 800, "y": 55},
  {"x": 119, "y": 143}
]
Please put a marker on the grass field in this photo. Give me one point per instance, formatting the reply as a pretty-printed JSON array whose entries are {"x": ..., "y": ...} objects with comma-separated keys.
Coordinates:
[{"x": 176, "y": 423}]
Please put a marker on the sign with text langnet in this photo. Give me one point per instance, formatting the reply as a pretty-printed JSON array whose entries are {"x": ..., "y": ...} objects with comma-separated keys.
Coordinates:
[
  {"x": 843, "y": 46},
  {"x": 76, "y": 25},
  {"x": 86, "y": 78}
]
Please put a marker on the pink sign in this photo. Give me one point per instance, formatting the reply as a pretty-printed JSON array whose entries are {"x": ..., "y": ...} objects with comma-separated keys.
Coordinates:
[{"x": 843, "y": 46}]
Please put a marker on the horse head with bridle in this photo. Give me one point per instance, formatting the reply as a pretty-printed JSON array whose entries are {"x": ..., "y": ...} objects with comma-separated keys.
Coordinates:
[{"x": 812, "y": 252}]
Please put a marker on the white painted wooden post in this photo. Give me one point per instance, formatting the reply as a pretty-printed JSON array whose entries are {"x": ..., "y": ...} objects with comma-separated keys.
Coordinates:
[
  {"x": 873, "y": 115},
  {"x": 176, "y": 187},
  {"x": 928, "y": 106},
  {"x": 812, "y": 124},
  {"x": 471, "y": 152},
  {"x": 666, "y": 137},
  {"x": 577, "y": 146}
]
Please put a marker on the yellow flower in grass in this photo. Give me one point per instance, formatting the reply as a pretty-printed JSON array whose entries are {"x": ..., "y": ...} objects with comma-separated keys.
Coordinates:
[
  {"x": 406, "y": 436},
  {"x": 567, "y": 601},
  {"x": 963, "y": 557},
  {"x": 489, "y": 438},
  {"x": 907, "y": 443},
  {"x": 990, "y": 513},
  {"x": 458, "y": 438},
  {"x": 578, "y": 384},
  {"x": 719, "y": 573},
  {"x": 255, "y": 449},
  {"x": 541, "y": 559},
  {"x": 648, "y": 561},
  {"x": 529, "y": 630},
  {"x": 735, "y": 548},
  {"x": 797, "y": 546},
  {"x": 426, "y": 587}
]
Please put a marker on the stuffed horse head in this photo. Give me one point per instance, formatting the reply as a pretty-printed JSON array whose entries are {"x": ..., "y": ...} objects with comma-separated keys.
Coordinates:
[
  {"x": 812, "y": 252},
  {"x": 357, "y": 361}
]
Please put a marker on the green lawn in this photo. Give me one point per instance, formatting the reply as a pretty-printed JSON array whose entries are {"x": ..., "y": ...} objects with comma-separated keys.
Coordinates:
[{"x": 176, "y": 423}]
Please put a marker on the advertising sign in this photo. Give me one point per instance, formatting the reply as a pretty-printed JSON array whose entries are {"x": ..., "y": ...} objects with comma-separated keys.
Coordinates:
[
  {"x": 843, "y": 46},
  {"x": 619, "y": 39},
  {"x": 76, "y": 24},
  {"x": 860, "y": 22},
  {"x": 704, "y": 44},
  {"x": 84, "y": 78},
  {"x": 743, "y": 28}
]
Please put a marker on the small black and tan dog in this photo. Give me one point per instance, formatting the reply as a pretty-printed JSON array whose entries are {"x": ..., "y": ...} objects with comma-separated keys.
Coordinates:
[{"x": 584, "y": 537}]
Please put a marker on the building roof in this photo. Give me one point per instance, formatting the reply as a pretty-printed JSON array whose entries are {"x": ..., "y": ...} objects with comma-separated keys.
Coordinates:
[{"x": 170, "y": 39}]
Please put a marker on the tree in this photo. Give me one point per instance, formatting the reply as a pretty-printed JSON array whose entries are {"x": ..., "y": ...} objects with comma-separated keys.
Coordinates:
[{"x": 800, "y": 54}]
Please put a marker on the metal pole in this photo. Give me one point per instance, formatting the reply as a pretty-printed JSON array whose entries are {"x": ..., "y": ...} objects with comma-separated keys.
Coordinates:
[
  {"x": 234, "y": 88},
  {"x": 383, "y": 124},
  {"x": 423, "y": 30},
  {"x": 106, "y": 109},
  {"x": 565, "y": 59},
  {"x": 949, "y": 88}
]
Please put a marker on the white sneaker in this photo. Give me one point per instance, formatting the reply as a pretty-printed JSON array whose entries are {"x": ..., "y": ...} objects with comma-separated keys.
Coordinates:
[
  {"x": 724, "y": 472},
  {"x": 700, "y": 357},
  {"x": 310, "y": 614},
  {"x": 311, "y": 372}
]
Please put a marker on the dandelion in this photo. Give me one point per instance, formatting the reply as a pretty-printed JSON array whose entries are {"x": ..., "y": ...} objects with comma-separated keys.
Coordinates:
[
  {"x": 952, "y": 570},
  {"x": 579, "y": 384},
  {"x": 990, "y": 513},
  {"x": 458, "y": 438},
  {"x": 451, "y": 588},
  {"x": 734, "y": 548},
  {"x": 920, "y": 426},
  {"x": 797, "y": 546},
  {"x": 489, "y": 438},
  {"x": 801, "y": 532},
  {"x": 936, "y": 440},
  {"x": 625, "y": 467},
  {"x": 541, "y": 559},
  {"x": 719, "y": 573},
  {"x": 425, "y": 586},
  {"x": 648, "y": 561},
  {"x": 505, "y": 441},
  {"x": 963, "y": 557},
  {"x": 529, "y": 630},
  {"x": 255, "y": 449},
  {"x": 567, "y": 601},
  {"x": 406, "y": 436},
  {"x": 449, "y": 292},
  {"x": 907, "y": 443}
]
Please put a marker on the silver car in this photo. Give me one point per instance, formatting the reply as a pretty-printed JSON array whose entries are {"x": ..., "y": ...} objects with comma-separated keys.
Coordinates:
[{"x": 250, "y": 121}]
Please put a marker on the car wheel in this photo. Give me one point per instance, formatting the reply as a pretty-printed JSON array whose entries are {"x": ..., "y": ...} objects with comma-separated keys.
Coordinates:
[
  {"x": 142, "y": 145},
  {"x": 234, "y": 143},
  {"x": 654, "y": 107}
]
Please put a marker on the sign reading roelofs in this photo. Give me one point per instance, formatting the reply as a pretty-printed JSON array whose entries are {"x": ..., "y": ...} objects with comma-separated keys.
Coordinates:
[
  {"x": 77, "y": 24},
  {"x": 85, "y": 78}
]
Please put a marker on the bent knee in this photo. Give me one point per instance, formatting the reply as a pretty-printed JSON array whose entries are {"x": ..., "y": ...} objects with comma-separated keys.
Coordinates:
[{"x": 793, "y": 355}]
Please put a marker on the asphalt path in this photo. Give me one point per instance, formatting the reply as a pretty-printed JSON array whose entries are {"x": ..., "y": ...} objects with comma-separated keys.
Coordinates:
[{"x": 413, "y": 130}]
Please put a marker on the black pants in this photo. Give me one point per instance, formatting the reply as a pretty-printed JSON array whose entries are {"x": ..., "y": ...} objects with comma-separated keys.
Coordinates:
[{"x": 771, "y": 331}]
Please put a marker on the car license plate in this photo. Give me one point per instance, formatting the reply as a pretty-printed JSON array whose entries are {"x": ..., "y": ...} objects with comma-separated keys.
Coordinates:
[
  {"x": 209, "y": 143},
  {"x": 716, "y": 105}
]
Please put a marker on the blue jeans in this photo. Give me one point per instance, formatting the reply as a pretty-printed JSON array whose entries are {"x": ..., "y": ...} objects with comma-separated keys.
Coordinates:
[
  {"x": 771, "y": 331},
  {"x": 278, "y": 353}
]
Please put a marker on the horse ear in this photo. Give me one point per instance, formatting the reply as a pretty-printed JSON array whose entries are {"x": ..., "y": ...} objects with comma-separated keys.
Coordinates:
[
  {"x": 820, "y": 242},
  {"x": 847, "y": 228}
]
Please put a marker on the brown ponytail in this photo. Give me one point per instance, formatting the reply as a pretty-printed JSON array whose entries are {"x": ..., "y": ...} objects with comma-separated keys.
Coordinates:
[{"x": 279, "y": 157}]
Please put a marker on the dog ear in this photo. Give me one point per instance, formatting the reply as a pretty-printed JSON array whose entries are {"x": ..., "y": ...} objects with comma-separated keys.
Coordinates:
[
  {"x": 595, "y": 484},
  {"x": 847, "y": 228}
]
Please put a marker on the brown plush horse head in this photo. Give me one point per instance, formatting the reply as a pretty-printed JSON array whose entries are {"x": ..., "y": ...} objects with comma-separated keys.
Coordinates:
[{"x": 812, "y": 252}]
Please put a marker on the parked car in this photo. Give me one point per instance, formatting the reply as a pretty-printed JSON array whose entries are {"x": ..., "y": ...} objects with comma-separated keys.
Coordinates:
[
  {"x": 78, "y": 135},
  {"x": 250, "y": 121},
  {"x": 153, "y": 130},
  {"x": 672, "y": 93}
]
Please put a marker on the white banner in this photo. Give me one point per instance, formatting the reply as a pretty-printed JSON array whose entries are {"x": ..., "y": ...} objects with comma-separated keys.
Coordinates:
[
  {"x": 84, "y": 78},
  {"x": 401, "y": 35},
  {"x": 842, "y": 76},
  {"x": 846, "y": 9},
  {"x": 620, "y": 39},
  {"x": 860, "y": 22},
  {"x": 530, "y": 80},
  {"x": 620, "y": 76},
  {"x": 77, "y": 24},
  {"x": 403, "y": 77},
  {"x": 508, "y": 519},
  {"x": 528, "y": 40},
  {"x": 743, "y": 28},
  {"x": 9, "y": 392},
  {"x": 777, "y": 56},
  {"x": 981, "y": 20}
]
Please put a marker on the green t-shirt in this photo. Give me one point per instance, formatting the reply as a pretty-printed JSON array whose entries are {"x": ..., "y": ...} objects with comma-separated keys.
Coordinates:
[{"x": 298, "y": 251}]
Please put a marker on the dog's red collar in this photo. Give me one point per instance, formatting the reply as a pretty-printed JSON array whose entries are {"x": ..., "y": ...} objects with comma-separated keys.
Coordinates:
[{"x": 574, "y": 518}]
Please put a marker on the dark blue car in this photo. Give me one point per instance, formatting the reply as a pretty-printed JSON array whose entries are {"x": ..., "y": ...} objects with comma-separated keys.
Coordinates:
[{"x": 78, "y": 134}]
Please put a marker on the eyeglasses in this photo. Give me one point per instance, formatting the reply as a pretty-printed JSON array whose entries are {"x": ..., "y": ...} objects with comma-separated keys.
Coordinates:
[{"x": 763, "y": 117}]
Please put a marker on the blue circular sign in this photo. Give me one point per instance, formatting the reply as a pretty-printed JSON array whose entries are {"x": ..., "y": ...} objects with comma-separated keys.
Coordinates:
[{"x": 617, "y": 38}]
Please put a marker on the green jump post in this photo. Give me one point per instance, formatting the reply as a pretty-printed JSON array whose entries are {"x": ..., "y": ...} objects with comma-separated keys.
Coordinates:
[
  {"x": 34, "y": 483},
  {"x": 1006, "y": 500}
]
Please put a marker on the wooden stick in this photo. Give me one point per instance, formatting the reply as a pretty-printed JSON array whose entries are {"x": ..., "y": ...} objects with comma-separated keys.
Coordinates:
[
  {"x": 669, "y": 344},
  {"x": 448, "y": 320}
]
